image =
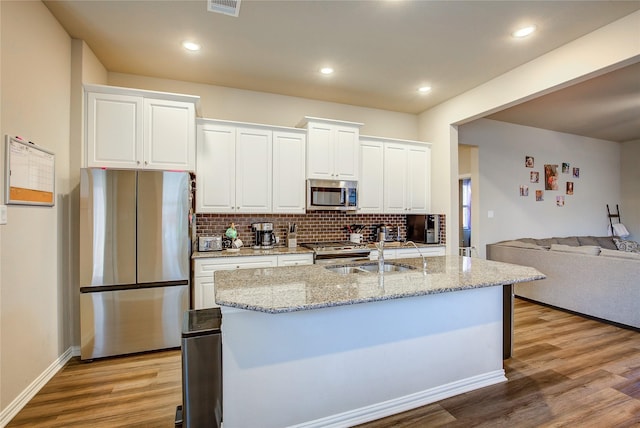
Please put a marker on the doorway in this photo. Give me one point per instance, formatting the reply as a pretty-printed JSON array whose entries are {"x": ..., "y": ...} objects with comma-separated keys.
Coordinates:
[{"x": 464, "y": 220}]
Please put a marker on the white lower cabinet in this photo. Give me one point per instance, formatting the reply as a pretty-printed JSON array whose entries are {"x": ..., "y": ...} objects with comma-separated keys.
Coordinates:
[{"x": 204, "y": 268}]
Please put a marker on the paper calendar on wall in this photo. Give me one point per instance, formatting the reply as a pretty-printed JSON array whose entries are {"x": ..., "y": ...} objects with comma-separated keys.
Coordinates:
[{"x": 29, "y": 173}]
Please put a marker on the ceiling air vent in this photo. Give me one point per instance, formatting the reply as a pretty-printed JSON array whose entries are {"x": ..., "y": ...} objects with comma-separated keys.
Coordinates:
[{"x": 227, "y": 7}]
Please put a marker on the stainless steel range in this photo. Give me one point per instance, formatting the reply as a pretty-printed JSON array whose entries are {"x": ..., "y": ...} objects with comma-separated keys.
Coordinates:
[{"x": 341, "y": 251}]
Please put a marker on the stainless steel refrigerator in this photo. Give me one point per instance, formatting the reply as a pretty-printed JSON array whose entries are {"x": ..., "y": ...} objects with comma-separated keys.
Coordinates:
[{"x": 134, "y": 260}]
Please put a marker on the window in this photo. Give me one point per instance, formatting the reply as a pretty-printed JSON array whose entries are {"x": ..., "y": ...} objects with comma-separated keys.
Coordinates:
[{"x": 466, "y": 203}]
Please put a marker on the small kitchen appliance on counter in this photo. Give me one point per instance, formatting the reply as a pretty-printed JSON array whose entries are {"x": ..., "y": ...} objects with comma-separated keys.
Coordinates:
[
  {"x": 210, "y": 243},
  {"x": 264, "y": 237},
  {"x": 423, "y": 228}
]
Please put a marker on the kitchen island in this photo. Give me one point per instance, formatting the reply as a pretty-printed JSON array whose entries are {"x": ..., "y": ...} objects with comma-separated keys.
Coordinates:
[{"x": 305, "y": 346}]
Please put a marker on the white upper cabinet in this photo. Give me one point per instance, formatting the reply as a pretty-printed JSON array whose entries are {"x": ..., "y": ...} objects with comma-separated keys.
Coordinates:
[
  {"x": 114, "y": 130},
  {"x": 289, "y": 172},
  {"x": 333, "y": 149},
  {"x": 216, "y": 168},
  {"x": 135, "y": 129},
  {"x": 419, "y": 179},
  {"x": 395, "y": 178},
  {"x": 406, "y": 177},
  {"x": 371, "y": 183},
  {"x": 254, "y": 162},
  {"x": 246, "y": 168},
  {"x": 170, "y": 137}
]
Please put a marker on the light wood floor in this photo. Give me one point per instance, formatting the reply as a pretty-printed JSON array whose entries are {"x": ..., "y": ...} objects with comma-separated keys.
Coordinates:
[{"x": 567, "y": 371}]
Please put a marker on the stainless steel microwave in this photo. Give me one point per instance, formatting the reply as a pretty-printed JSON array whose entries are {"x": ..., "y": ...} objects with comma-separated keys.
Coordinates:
[{"x": 332, "y": 195}]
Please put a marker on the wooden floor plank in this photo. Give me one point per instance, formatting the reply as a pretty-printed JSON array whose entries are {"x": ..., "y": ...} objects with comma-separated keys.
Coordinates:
[{"x": 566, "y": 371}]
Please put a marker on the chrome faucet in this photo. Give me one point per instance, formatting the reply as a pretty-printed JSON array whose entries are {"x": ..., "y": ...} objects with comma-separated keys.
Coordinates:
[
  {"x": 380, "y": 247},
  {"x": 424, "y": 259}
]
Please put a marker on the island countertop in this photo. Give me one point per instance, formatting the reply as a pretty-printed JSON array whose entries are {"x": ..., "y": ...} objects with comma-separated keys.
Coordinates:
[{"x": 298, "y": 288}]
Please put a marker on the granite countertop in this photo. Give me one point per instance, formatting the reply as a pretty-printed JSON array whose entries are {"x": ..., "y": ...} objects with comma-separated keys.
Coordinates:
[
  {"x": 298, "y": 288},
  {"x": 394, "y": 245},
  {"x": 248, "y": 251}
]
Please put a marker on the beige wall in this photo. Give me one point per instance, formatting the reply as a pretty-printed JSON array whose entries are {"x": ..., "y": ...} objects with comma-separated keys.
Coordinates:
[
  {"x": 259, "y": 107},
  {"x": 34, "y": 245},
  {"x": 610, "y": 47},
  {"x": 85, "y": 68}
]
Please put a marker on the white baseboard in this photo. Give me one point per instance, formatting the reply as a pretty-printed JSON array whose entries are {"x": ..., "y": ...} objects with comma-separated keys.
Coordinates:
[
  {"x": 408, "y": 402},
  {"x": 30, "y": 391}
]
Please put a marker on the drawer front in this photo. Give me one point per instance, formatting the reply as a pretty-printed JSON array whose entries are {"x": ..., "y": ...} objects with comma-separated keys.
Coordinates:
[{"x": 295, "y": 260}]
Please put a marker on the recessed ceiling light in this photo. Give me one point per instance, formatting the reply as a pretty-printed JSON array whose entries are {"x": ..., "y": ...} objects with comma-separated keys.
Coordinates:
[
  {"x": 524, "y": 31},
  {"x": 424, "y": 89},
  {"x": 326, "y": 70},
  {"x": 191, "y": 46}
]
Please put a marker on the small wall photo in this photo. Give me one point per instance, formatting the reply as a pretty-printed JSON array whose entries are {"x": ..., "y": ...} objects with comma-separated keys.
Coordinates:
[
  {"x": 534, "y": 177},
  {"x": 528, "y": 161}
]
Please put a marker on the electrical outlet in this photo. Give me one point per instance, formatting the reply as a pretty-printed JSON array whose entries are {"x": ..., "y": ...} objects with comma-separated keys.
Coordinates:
[{"x": 3, "y": 214}]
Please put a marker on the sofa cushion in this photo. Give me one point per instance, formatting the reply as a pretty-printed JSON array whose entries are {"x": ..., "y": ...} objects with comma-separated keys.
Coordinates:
[
  {"x": 570, "y": 240},
  {"x": 606, "y": 242},
  {"x": 590, "y": 250},
  {"x": 520, "y": 244},
  {"x": 625, "y": 245},
  {"x": 546, "y": 242},
  {"x": 527, "y": 240},
  {"x": 589, "y": 240},
  {"x": 620, "y": 254}
]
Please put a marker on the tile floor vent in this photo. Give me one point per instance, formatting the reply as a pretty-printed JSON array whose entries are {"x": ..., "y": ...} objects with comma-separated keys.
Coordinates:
[{"x": 227, "y": 7}]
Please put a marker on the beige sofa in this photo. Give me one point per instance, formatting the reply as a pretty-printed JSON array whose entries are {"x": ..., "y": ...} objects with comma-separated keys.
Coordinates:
[{"x": 585, "y": 274}]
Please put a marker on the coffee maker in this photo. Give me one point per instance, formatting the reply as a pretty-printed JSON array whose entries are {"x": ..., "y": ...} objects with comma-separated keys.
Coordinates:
[{"x": 264, "y": 238}]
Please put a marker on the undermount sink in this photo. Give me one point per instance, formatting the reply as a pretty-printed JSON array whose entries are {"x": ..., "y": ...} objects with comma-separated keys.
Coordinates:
[{"x": 368, "y": 268}]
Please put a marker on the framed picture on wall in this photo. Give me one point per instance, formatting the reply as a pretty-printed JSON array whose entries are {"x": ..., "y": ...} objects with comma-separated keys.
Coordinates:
[
  {"x": 576, "y": 172},
  {"x": 539, "y": 195},
  {"x": 524, "y": 190},
  {"x": 565, "y": 167},
  {"x": 551, "y": 177},
  {"x": 569, "y": 187},
  {"x": 534, "y": 177},
  {"x": 528, "y": 161}
]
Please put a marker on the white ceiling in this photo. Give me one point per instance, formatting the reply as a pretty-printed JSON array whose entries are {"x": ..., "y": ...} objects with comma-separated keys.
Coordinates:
[{"x": 382, "y": 50}]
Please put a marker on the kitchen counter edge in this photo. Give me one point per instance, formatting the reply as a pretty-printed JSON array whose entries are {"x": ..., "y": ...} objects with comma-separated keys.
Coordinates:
[{"x": 244, "y": 252}]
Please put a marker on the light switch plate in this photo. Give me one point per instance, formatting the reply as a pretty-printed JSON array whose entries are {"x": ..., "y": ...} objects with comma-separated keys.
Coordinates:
[
  {"x": 490, "y": 214},
  {"x": 3, "y": 214}
]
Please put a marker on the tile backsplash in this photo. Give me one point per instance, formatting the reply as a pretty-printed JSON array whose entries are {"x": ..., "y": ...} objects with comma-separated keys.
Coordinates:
[{"x": 312, "y": 227}]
